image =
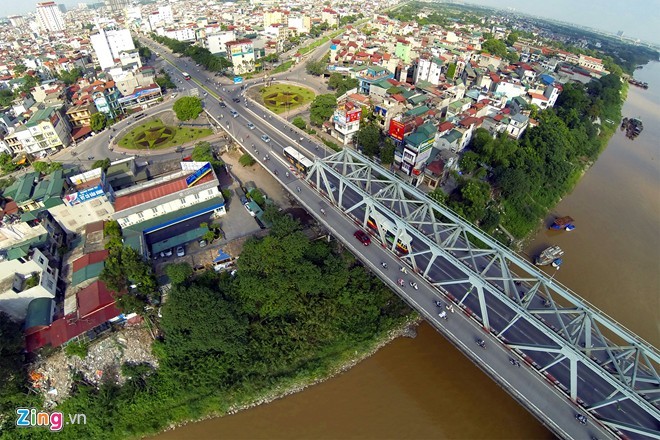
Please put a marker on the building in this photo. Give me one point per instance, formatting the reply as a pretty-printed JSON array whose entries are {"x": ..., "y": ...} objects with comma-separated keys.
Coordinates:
[
  {"x": 142, "y": 97},
  {"x": 417, "y": 150},
  {"x": 428, "y": 69},
  {"x": 369, "y": 75},
  {"x": 108, "y": 45},
  {"x": 591, "y": 63},
  {"x": 49, "y": 17},
  {"x": 151, "y": 214},
  {"x": 116, "y": 5},
  {"x": 517, "y": 125},
  {"x": 80, "y": 115},
  {"x": 330, "y": 17},
  {"x": 241, "y": 55},
  {"x": 105, "y": 96},
  {"x": 45, "y": 132},
  {"x": 346, "y": 121},
  {"x": 18, "y": 21},
  {"x": 217, "y": 43}
]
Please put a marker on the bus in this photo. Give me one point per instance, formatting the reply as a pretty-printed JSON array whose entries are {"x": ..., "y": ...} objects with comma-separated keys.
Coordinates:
[
  {"x": 299, "y": 161},
  {"x": 185, "y": 75},
  {"x": 139, "y": 116},
  {"x": 377, "y": 221}
]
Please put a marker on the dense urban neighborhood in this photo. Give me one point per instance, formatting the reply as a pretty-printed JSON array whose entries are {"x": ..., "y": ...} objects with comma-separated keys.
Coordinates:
[{"x": 152, "y": 251}]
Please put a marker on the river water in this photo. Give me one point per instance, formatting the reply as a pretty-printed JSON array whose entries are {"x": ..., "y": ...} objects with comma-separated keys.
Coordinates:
[{"x": 423, "y": 388}]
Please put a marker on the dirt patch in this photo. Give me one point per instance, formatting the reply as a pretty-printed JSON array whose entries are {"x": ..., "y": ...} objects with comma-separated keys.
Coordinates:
[{"x": 102, "y": 363}]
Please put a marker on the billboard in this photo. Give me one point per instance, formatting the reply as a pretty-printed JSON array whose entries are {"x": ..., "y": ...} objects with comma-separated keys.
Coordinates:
[
  {"x": 397, "y": 130},
  {"x": 353, "y": 116},
  {"x": 238, "y": 79},
  {"x": 84, "y": 195},
  {"x": 194, "y": 177}
]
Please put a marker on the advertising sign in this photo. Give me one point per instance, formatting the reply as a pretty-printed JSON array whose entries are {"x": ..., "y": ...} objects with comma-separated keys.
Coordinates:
[
  {"x": 397, "y": 130},
  {"x": 353, "y": 116},
  {"x": 194, "y": 177},
  {"x": 238, "y": 79},
  {"x": 83, "y": 196}
]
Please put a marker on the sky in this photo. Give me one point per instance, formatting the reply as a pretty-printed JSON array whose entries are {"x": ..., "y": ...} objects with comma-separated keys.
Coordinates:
[{"x": 637, "y": 18}]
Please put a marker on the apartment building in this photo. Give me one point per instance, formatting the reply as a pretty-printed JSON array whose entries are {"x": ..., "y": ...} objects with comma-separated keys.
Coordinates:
[
  {"x": 45, "y": 132},
  {"x": 241, "y": 54},
  {"x": 49, "y": 17}
]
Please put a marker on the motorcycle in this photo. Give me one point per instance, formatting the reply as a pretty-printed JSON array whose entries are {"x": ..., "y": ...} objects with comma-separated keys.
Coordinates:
[
  {"x": 443, "y": 315},
  {"x": 298, "y": 188},
  {"x": 414, "y": 285},
  {"x": 580, "y": 418},
  {"x": 514, "y": 362},
  {"x": 400, "y": 282},
  {"x": 384, "y": 265},
  {"x": 481, "y": 343},
  {"x": 403, "y": 269}
]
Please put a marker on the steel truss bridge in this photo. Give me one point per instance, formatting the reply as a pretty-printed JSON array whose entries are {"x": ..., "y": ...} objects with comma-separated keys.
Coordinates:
[{"x": 599, "y": 364}]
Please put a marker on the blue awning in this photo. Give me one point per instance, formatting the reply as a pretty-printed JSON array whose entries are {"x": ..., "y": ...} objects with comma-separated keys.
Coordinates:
[{"x": 222, "y": 256}]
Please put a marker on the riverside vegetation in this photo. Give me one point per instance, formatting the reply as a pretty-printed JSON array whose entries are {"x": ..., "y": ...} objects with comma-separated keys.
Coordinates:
[{"x": 294, "y": 312}]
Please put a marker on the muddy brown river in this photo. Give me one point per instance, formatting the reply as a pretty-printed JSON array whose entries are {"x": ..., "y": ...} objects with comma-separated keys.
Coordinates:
[{"x": 423, "y": 388}]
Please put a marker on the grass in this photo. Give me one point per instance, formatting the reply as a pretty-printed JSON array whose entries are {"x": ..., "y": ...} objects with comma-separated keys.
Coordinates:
[
  {"x": 281, "y": 97},
  {"x": 282, "y": 67},
  {"x": 155, "y": 135},
  {"x": 314, "y": 45}
]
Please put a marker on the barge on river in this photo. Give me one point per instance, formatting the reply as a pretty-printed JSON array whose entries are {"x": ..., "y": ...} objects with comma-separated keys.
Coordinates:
[
  {"x": 565, "y": 223},
  {"x": 550, "y": 255}
]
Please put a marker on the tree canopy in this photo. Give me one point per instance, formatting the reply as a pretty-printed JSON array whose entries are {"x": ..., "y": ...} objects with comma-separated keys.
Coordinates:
[
  {"x": 187, "y": 108},
  {"x": 368, "y": 138},
  {"x": 46, "y": 167},
  {"x": 322, "y": 108},
  {"x": 98, "y": 121}
]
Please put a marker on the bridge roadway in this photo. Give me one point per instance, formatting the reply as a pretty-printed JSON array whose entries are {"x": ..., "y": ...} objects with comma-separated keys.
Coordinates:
[{"x": 524, "y": 384}]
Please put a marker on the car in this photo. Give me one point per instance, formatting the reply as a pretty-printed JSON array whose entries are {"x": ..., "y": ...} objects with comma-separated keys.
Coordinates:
[
  {"x": 180, "y": 252},
  {"x": 333, "y": 188},
  {"x": 166, "y": 253},
  {"x": 173, "y": 95},
  {"x": 265, "y": 138},
  {"x": 249, "y": 210},
  {"x": 250, "y": 125},
  {"x": 202, "y": 243},
  {"x": 179, "y": 150},
  {"x": 234, "y": 113},
  {"x": 223, "y": 105},
  {"x": 236, "y": 100},
  {"x": 363, "y": 237}
]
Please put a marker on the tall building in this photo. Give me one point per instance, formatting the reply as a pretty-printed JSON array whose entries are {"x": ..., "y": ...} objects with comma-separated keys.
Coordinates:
[
  {"x": 50, "y": 17},
  {"x": 116, "y": 5},
  {"x": 17, "y": 20},
  {"x": 108, "y": 45},
  {"x": 241, "y": 55}
]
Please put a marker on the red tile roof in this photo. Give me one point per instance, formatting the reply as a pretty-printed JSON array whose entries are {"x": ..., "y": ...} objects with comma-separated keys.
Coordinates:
[
  {"x": 156, "y": 192},
  {"x": 87, "y": 259}
]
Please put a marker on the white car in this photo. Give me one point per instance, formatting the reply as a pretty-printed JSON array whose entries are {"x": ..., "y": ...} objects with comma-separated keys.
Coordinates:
[
  {"x": 180, "y": 252},
  {"x": 174, "y": 95},
  {"x": 265, "y": 138},
  {"x": 250, "y": 125}
]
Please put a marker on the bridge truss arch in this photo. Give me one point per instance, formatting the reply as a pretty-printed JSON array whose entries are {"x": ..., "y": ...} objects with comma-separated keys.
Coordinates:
[{"x": 597, "y": 362}]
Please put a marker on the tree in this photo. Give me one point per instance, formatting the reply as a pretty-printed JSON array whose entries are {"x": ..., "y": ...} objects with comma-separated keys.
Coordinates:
[
  {"x": 322, "y": 108},
  {"x": 246, "y": 160},
  {"x": 187, "y": 108},
  {"x": 178, "y": 273},
  {"x": 494, "y": 47},
  {"x": 104, "y": 164},
  {"x": 7, "y": 163},
  {"x": 6, "y": 97},
  {"x": 315, "y": 68},
  {"x": 69, "y": 76},
  {"x": 20, "y": 69},
  {"x": 387, "y": 152},
  {"x": 258, "y": 197},
  {"x": 12, "y": 368},
  {"x": 469, "y": 161},
  {"x": 512, "y": 38},
  {"x": 98, "y": 121},
  {"x": 299, "y": 122},
  {"x": 46, "y": 167},
  {"x": 368, "y": 138}
]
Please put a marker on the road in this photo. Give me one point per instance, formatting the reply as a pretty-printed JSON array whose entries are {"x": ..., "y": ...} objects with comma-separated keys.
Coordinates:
[{"x": 547, "y": 403}]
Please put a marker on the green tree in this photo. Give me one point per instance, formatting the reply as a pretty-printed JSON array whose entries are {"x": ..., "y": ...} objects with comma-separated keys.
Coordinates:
[
  {"x": 368, "y": 138},
  {"x": 69, "y": 77},
  {"x": 6, "y": 97},
  {"x": 512, "y": 38},
  {"x": 246, "y": 160},
  {"x": 494, "y": 47},
  {"x": 98, "y": 121},
  {"x": 387, "y": 152},
  {"x": 469, "y": 161},
  {"x": 104, "y": 164},
  {"x": 178, "y": 273},
  {"x": 13, "y": 377},
  {"x": 7, "y": 163},
  {"x": 299, "y": 122},
  {"x": 187, "y": 108},
  {"x": 316, "y": 68},
  {"x": 20, "y": 69},
  {"x": 322, "y": 108},
  {"x": 46, "y": 167},
  {"x": 258, "y": 197}
]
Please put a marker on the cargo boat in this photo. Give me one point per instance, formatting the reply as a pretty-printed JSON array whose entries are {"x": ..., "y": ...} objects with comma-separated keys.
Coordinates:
[
  {"x": 565, "y": 223},
  {"x": 549, "y": 255}
]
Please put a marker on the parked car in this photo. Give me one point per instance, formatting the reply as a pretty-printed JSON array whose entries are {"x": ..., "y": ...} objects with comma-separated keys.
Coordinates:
[
  {"x": 174, "y": 95},
  {"x": 166, "y": 253},
  {"x": 363, "y": 237},
  {"x": 180, "y": 252},
  {"x": 202, "y": 243},
  {"x": 265, "y": 138},
  {"x": 250, "y": 125}
]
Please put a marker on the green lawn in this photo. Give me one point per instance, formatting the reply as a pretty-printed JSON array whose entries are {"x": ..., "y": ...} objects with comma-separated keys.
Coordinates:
[
  {"x": 314, "y": 45},
  {"x": 282, "y": 67},
  {"x": 281, "y": 97},
  {"x": 155, "y": 135}
]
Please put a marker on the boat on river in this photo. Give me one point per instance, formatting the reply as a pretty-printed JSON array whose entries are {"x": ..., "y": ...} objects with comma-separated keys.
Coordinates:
[
  {"x": 632, "y": 126},
  {"x": 565, "y": 223},
  {"x": 549, "y": 255}
]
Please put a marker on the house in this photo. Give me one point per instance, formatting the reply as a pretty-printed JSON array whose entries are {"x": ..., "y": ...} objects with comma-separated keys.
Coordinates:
[
  {"x": 517, "y": 125},
  {"x": 346, "y": 121}
]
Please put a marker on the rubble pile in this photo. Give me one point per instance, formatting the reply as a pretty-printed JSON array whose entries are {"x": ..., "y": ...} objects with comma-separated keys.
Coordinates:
[{"x": 53, "y": 376}]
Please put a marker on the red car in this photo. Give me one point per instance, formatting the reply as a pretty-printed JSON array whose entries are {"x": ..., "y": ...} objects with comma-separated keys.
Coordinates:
[{"x": 363, "y": 237}]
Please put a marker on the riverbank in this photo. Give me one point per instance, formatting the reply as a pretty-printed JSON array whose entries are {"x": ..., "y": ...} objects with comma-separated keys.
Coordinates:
[{"x": 297, "y": 384}]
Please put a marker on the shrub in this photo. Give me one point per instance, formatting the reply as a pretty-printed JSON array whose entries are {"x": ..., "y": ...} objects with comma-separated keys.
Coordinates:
[
  {"x": 246, "y": 160},
  {"x": 79, "y": 349}
]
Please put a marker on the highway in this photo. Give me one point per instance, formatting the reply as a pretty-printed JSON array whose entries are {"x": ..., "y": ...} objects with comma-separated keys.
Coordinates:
[{"x": 546, "y": 402}]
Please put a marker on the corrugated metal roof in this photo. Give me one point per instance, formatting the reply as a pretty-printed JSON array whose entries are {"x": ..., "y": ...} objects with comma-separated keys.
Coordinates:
[
  {"x": 87, "y": 273},
  {"x": 39, "y": 313},
  {"x": 178, "y": 240}
]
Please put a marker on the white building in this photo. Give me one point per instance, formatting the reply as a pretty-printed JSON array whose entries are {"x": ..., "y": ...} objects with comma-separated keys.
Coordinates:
[
  {"x": 108, "y": 45},
  {"x": 50, "y": 17},
  {"x": 346, "y": 122},
  {"x": 428, "y": 69},
  {"x": 241, "y": 54},
  {"x": 217, "y": 43},
  {"x": 46, "y": 131},
  {"x": 181, "y": 34},
  {"x": 23, "y": 279}
]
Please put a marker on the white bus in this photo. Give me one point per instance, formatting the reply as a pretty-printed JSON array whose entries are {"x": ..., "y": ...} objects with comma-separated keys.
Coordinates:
[
  {"x": 297, "y": 159},
  {"x": 185, "y": 75}
]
